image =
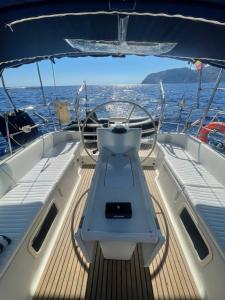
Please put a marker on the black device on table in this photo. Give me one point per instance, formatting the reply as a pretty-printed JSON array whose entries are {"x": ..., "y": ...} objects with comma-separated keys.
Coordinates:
[{"x": 118, "y": 210}]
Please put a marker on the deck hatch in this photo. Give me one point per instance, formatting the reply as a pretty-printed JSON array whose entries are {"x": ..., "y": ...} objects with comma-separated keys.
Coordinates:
[
  {"x": 194, "y": 234},
  {"x": 45, "y": 227}
]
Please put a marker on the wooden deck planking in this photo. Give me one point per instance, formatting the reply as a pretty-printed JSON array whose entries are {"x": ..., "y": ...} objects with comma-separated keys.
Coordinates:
[
  {"x": 65, "y": 277},
  {"x": 175, "y": 272}
]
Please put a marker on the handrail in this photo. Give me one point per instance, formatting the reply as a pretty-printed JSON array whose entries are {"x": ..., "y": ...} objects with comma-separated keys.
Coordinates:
[
  {"x": 163, "y": 104},
  {"x": 26, "y": 129},
  {"x": 47, "y": 121},
  {"x": 77, "y": 103},
  {"x": 220, "y": 74},
  {"x": 7, "y": 133},
  {"x": 43, "y": 95},
  {"x": 7, "y": 93},
  {"x": 199, "y": 89}
]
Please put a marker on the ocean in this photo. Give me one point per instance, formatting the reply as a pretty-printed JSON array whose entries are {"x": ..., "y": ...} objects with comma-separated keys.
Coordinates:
[{"x": 145, "y": 95}]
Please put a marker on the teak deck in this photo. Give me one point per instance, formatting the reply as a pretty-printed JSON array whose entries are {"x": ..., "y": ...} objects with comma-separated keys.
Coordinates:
[{"x": 68, "y": 276}]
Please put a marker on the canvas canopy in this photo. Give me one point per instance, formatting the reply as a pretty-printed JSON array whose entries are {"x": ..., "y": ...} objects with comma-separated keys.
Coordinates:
[{"x": 31, "y": 30}]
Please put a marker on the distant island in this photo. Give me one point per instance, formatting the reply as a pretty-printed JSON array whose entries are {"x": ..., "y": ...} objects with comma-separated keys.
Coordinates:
[{"x": 183, "y": 75}]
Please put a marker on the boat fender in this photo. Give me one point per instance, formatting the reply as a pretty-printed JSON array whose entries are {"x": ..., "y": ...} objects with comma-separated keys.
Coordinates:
[{"x": 204, "y": 132}]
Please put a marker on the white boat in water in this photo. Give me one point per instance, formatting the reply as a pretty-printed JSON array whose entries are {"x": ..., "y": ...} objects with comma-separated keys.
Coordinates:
[{"x": 131, "y": 219}]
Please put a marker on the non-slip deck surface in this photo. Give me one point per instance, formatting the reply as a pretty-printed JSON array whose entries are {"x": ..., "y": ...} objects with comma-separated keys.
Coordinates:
[{"x": 68, "y": 276}]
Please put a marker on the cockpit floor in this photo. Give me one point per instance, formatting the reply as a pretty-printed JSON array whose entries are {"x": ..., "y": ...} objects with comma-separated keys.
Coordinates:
[{"x": 68, "y": 276}]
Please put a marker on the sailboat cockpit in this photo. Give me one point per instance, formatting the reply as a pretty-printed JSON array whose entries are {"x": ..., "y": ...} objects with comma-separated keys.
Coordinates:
[{"x": 111, "y": 205}]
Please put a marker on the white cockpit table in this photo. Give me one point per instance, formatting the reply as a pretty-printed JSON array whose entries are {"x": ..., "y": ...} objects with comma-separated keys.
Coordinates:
[{"x": 119, "y": 179}]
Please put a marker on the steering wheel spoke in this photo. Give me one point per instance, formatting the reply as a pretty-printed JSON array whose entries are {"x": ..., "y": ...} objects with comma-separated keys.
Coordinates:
[{"x": 130, "y": 114}]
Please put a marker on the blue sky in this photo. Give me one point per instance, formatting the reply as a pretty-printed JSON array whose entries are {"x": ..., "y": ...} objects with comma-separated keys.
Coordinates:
[{"x": 104, "y": 70}]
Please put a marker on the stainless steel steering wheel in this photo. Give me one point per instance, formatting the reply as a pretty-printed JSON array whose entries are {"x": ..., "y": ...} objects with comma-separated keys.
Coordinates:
[{"x": 133, "y": 105}]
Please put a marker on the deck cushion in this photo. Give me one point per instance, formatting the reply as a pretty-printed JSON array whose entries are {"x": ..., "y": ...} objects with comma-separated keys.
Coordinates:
[
  {"x": 53, "y": 165},
  {"x": 27, "y": 192},
  {"x": 23, "y": 203},
  {"x": 15, "y": 221},
  {"x": 186, "y": 169},
  {"x": 203, "y": 191},
  {"x": 210, "y": 206}
]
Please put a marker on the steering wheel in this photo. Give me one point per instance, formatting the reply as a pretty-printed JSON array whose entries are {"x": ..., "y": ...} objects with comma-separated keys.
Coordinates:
[{"x": 133, "y": 106}]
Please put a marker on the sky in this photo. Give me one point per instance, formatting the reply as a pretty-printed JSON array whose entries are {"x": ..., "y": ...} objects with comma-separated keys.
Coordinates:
[{"x": 104, "y": 70}]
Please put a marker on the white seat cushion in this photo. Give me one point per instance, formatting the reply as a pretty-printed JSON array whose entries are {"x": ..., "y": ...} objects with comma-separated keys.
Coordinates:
[
  {"x": 52, "y": 167},
  {"x": 22, "y": 204},
  {"x": 205, "y": 194},
  {"x": 186, "y": 169},
  {"x": 209, "y": 203},
  {"x": 27, "y": 192},
  {"x": 18, "y": 210},
  {"x": 15, "y": 220}
]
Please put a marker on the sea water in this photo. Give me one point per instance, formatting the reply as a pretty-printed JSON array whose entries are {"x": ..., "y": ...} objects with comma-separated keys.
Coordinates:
[{"x": 146, "y": 95}]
